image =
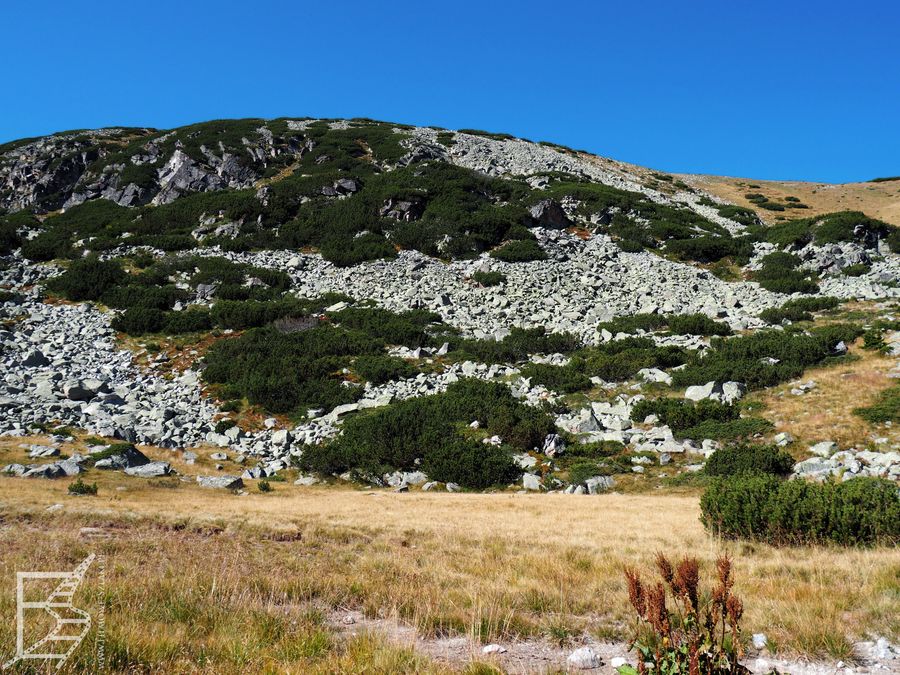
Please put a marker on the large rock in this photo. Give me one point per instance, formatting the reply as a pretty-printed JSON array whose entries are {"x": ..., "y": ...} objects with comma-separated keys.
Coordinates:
[
  {"x": 222, "y": 482},
  {"x": 35, "y": 359},
  {"x": 150, "y": 470},
  {"x": 699, "y": 392},
  {"x": 531, "y": 481},
  {"x": 128, "y": 458},
  {"x": 548, "y": 213}
]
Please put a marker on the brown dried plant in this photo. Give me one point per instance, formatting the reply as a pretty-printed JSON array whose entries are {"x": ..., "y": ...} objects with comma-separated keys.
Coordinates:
[{"x": 699, "y": 635}]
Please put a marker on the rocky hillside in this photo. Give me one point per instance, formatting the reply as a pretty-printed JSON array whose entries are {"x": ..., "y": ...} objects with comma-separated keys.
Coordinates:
[{"x": 297, "y": 292}]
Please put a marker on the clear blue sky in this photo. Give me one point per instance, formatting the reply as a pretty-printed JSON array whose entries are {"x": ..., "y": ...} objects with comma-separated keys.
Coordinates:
[{"x": 803, "y": 90}]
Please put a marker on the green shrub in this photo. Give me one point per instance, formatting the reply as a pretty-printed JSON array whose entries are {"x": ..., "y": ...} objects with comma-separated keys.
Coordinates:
[
  {"x": 746, "y": 358},
  {"x": 136, "y": 295},
  {"x": 140, "y": 320},
  {"x": 517, "y": 346},
  {"x": 798, "y": 310},
  {"x": 730, "y": 430},
  {"x": 9, "y": 238},
  {"x": 408, "y": 328},
  {"x": 779, "y": 274},
  {"x": 192, "y": 320},
  {"x": 739, "y": 214},
  {"x": 240, "y": 315},
  {"x": 696, "y": 324},
  {"x": 566, "y": 379},
  {"x": 886, "y": 407},
  {"x": 87, "y": 279},
  {"x": 594, "y": 450},
  {"x": 489, "y": 278},
  {"x": 619, "y": 360},
  {"x": 710, "y": 248},
  {"x": 830, "y": 228},
  {"x": 288, "y": 372},
  {"x": 519, "y": 251},
  {"x": 381, "y": 369},
  {"x": 855, "y": 270},
  {"x": 859, "y": 511},
  {"x": 264, "y": 486},
  {"x": 736, "y": 459},
  {"x": 348, "y": 252},
  {"x": 700, "y": 420},
  {"x": 579, "y": 472},
  {"x": 682, "y": 414},
  {"x": 79, "y": 487},
  {"x": 471, "y": 464},
  {"x": 429, "y": 429}
]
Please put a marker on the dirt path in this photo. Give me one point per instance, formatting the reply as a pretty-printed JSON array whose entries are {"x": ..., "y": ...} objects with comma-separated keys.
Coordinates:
[{"x": 539, "y": 657}]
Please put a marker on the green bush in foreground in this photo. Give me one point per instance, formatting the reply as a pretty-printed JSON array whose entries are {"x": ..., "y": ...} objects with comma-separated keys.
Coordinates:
[
  {"x": 860, "y": 511},
  {"x": 735, "y": 459}
]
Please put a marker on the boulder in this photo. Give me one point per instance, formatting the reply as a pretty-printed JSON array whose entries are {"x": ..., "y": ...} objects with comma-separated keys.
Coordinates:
[
  {"x": 824, "y": 448},
  {"x": 733, "y": 391},
  {"x": 553, "y": 445},
  {"x": 698, "y": 392},
  {"x": 530, "y": 481},
  {"x": 150, "y": 470},
  {"x": 130, "y": 457},
  {"x": 548, "y": 213},
  {"x": 222, "y": 482},
  {"x": 597, "y": 484},
  {"x": 35, "y": 359}
]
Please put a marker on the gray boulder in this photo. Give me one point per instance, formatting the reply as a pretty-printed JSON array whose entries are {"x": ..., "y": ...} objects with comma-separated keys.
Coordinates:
[
  {"x": 35, "y": 359},
  {"x": 150, "y": 470},
  {"x": 530, "y": 481},
  {"x": 548, "y": 213},
  {"x": 222, "y": 482},
  {"x": 128, "y": 458}
]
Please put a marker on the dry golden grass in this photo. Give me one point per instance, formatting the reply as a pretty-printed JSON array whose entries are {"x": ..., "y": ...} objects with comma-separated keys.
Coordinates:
[
  {"x": 879, "y": 200},
  {"x": 201, "y": 580},
  {"x": 826, "y": 412}
]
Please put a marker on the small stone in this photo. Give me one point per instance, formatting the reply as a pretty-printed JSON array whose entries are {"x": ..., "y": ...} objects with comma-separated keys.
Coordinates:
[
  {"x": 760, "y": 641},
  {"x": 493, "y": 649},
  {"x": 584, "y": 658}
]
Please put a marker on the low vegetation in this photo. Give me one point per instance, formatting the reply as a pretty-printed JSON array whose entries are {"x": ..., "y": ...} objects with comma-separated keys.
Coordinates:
[
  {"x": 859, "y": 511},
  {"x": 677, "y": 324},
  {"x": 740, "y": 459},
  {"x": 886, "y": 407},
  {"x": 698, "y": 632},
  {"x": 800, "y": 309},
  {"x": 702, "y": 419},
  {"x": 432, "y": 433},
  {"x": 767, "y": 357},
  {"x": 780, "y": 273}
]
